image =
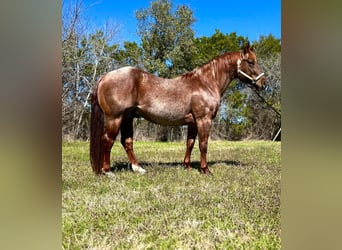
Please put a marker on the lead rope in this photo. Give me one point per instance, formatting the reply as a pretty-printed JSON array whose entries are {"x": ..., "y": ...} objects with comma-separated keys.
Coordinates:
[{"x": 271, "y": 107}]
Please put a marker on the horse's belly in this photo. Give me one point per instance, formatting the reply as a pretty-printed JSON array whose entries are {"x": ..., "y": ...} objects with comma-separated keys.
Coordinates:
[{"x": 165, "y": 114}]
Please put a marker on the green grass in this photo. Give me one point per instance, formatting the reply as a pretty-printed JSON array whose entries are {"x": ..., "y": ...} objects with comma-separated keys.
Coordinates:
[{"x": 171, "y": 208}]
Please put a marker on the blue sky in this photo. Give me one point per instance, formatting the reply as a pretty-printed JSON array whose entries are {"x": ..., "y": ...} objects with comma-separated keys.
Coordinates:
[{"x": 247, "y": 18}]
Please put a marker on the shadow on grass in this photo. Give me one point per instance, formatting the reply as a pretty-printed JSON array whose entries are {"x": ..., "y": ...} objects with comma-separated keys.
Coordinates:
[{"x": 125, "y": 166}]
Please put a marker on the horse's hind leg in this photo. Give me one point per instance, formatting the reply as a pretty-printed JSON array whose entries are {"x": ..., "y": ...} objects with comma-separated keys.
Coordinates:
[
  {"x": 112, "y": 126},
  {"x": 127, "y": 142},
  {"x": 190, "y": 142}
]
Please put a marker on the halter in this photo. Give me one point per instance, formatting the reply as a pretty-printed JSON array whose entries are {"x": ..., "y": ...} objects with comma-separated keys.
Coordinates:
[{"x": 254, "y": 80}]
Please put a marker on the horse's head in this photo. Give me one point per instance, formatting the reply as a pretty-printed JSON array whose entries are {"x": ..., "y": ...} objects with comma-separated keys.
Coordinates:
[{"x": 249, "y": 71}]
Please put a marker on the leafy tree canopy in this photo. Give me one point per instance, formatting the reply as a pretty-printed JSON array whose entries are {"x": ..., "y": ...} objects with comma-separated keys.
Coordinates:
[
  {"x": 267, "y": 46},
  {"x": 167, "y": 38},
  {"x": 217, "y": 44}
]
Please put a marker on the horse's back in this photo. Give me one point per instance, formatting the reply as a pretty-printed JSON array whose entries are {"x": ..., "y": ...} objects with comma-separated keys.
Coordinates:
[
  {"x": 123, "y": 75},
  {"x": 160, "y": 100}
]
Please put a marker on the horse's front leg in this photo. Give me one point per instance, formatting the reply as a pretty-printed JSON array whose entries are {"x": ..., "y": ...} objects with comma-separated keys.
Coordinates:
[
  {"x": 203, "y": 127},
  {"x": 190, "y": 142}
]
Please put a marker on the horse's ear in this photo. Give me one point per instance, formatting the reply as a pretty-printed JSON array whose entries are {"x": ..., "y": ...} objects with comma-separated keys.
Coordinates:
[
  {"x": 252, "y": 48},
  {"x": 246, "y": 48}
]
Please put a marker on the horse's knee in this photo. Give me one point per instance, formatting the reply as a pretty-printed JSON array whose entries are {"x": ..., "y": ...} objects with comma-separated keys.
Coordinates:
[{"x": 203, "y": 146}]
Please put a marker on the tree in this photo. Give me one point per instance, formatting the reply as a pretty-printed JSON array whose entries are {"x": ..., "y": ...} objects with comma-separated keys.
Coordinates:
[
  {"x": 85, "y": 57},
  {"x": 167, "y": 38},
  {"x": 71, "y": 20},
  {"x": 217, "y": 44},
  {"x": 267, "y": 46},
  {"x": 130, "y": 55}
]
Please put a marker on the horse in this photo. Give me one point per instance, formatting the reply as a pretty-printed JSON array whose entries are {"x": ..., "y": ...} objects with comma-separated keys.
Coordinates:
[{"x": 191, "y": 99}]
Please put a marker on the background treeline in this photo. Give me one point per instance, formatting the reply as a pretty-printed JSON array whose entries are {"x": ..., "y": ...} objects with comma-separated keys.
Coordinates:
[{"x": 168, "y": 47}]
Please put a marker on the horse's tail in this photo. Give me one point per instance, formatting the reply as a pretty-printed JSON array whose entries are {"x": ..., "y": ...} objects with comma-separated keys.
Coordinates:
[{"x": 96, "y": 132}]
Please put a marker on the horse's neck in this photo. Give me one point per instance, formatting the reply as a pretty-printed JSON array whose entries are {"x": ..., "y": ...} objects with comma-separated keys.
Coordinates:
[
  {"x": 226, "y": 71},
  {"x": 218, "y": 73}
]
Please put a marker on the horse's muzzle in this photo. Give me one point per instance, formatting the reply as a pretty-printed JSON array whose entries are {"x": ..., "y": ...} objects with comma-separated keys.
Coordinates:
[{"x": 261, "y": 83}]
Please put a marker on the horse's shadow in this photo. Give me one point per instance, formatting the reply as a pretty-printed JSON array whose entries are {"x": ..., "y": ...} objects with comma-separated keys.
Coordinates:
[{"x": 125, "y": 166}]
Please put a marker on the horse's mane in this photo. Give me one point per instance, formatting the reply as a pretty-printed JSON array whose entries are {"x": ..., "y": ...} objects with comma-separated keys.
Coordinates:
[{"x": 217, "y": 62}]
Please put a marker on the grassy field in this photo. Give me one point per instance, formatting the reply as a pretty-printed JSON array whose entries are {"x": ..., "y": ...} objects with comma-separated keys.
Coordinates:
[{"x": 171, "y": 208}]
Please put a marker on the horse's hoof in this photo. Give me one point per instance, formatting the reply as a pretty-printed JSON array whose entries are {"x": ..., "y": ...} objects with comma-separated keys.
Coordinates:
[
  {"x": 109, "y": 174},
  {"x": 137, "y": 168},
  {"x": 104, "y": 171},
  {"x": 206, "y": 171},
  {"x": 189, "y": 168}
]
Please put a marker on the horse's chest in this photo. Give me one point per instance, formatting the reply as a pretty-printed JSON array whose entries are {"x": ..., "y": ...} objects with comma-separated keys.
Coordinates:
[{"x": 204, "y": 105}]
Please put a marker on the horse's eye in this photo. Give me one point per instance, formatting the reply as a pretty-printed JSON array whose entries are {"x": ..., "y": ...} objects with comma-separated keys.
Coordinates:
[{"x": 250, "y": 62}]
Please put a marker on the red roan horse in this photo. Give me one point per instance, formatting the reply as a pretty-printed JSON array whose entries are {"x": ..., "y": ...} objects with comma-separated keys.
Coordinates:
[{"x": 191, "y": 99}]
